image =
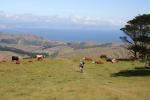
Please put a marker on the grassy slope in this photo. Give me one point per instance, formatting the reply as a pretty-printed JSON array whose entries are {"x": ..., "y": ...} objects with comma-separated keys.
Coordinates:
[
  {"x": 112, "y": 51},
  {"x": 59, "y": 79}
]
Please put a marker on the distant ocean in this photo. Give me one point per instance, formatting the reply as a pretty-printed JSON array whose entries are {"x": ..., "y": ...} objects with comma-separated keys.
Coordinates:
[{"x": 97, "y": 36}]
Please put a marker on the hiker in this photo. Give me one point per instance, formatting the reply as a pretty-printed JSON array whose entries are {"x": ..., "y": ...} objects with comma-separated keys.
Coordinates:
[{"x": 81, "y": 66}]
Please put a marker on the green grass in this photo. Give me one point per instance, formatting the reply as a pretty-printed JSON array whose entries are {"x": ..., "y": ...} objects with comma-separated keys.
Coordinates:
[{"x": 59, "y": 79}]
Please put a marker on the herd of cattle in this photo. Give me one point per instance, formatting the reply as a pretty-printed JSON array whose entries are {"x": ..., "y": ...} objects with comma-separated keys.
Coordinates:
[
  {"x": 41, "y": 57},
  {"x": 30, "y": 59},
  {"x": 113, "y": 60}
]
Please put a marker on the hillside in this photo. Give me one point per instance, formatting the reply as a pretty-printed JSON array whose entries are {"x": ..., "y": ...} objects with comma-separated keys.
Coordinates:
[
  {"x": 60, "y": 79},
  {"x": 111, "y": 50},
  {"x": 24, "y": 44},
  {"x": 30, "y": 45}
]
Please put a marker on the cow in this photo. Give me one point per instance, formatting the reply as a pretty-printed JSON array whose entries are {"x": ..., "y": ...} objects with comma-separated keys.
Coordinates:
[
  {"x": 114, "y": 61},
  {"x": 103, "y": 56},
  {"x": 97, "y": 62},
  {"x": 109, "y": 59},
  {"x": 39, "y": 57},
  {"x": 87, "y": 59},
  {"x": 18, "y": 62},
  {"x": 15, "y": 58}
]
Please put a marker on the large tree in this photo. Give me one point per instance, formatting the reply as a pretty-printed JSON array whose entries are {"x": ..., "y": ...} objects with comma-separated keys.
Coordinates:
[{"x": 137, "y": 36}]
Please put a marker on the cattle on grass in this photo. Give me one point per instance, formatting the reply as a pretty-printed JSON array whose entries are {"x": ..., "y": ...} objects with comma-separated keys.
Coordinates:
[
  {"x": 18, "y": 62},
  {"x": 109, "y": 59},
  {"x": 103, "y": 56},
  {"x": 97, "y": 62},
  {"x": 114, "y": 61},
  {"x": 39, "y": 57},
  {"x": 15, "y": 58}
]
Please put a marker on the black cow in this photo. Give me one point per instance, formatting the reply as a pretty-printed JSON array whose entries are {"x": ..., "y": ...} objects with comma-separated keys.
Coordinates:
[
  {"x": 108, "y": 59},
  {"x": 15, "y": 58}
]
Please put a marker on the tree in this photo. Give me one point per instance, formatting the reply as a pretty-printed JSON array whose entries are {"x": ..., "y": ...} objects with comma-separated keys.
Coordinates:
[{"x": 137, "y": 36}]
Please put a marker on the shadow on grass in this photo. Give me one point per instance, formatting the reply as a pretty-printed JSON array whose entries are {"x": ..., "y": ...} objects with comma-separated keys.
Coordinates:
[
  {"x": 142, "y": 68},
  {"x": 137, "y": 71}
]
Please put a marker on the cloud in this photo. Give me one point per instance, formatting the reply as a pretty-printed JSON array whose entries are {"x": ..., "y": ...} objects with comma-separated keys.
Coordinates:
[{"x": 56, "y": 21}]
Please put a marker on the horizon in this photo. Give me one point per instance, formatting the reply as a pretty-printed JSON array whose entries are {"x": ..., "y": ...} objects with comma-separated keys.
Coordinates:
[{"x": 96, "y": 36}]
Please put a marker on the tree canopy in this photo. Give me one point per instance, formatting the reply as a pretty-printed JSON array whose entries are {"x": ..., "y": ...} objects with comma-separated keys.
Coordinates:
[{"x": 137, "y": 37}]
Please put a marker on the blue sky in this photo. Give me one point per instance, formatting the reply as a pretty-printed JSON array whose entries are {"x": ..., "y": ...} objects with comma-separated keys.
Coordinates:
[{"x": 70, "y": 13}]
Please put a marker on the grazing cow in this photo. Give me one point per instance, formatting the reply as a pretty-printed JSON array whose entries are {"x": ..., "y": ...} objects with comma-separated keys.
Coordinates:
[
  {"x": 39, "y": 57},
  {"x": 97, "y": 62},
  {"x": 15, "y": 58},
  {"x": 18, "y": 62},
  {"x": 103, "y": 56},
  {"x": 109, "y": 59},
  {"x": 114, "y": 61},
  {"x": 87, "y": 59}
]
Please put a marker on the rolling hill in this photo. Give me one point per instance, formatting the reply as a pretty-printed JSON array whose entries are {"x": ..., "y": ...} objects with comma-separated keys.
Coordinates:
[{"x": 25, "y": 44}]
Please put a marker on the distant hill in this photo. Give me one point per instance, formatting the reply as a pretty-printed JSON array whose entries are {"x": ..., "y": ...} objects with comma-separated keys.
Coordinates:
[
  {"x": 30, "y": 45},
  {"x": 24, "y": 39},
  {"x": 24, "y": 44}
]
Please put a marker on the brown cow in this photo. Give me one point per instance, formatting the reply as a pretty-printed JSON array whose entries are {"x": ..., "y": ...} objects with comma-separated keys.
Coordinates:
[
  {"x": 103, "y": 56},
  {"x": 97, "y": 62},
  {"x": 18, "y": 62}
]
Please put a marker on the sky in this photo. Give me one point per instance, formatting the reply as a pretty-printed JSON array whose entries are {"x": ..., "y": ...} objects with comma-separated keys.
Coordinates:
[{"x": 70, "y": 14}]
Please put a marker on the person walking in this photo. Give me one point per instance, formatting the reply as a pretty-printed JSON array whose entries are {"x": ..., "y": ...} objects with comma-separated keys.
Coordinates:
[{"x": 81, "y": 65}]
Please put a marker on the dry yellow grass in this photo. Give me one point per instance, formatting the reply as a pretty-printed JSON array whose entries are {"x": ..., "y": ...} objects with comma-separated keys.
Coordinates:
[{"x": 59, "y": 79}]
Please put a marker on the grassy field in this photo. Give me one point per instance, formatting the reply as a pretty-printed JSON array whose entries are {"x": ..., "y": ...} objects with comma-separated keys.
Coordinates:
[{"x": 60, "y": 79}]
